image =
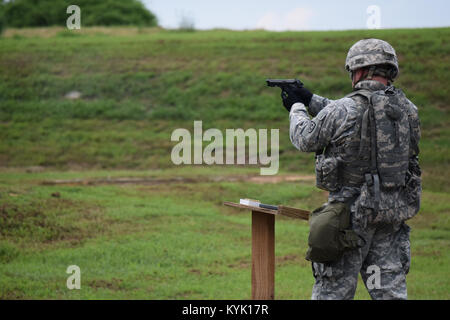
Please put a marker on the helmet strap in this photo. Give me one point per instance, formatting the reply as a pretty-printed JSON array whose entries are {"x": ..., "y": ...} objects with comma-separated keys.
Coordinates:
[{"x": 370, "y": 74}]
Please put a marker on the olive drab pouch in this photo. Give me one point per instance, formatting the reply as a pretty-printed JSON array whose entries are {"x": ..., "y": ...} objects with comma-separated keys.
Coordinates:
[
  {"x": 387, "y": 127},
  {"x": 327, "y": 173},
  {"x": 330, "y": 234},
  {"x": 394, "y": 205}
]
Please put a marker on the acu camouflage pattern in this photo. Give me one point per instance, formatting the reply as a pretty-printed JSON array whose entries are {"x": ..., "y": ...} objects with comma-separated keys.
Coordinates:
[
  {"x": 338, "y": 120},
  {"x": 386, "y": 234},
  {"x": 397, "y": 136},
  {"x": 387, "y": 247},
  {"x": 327, "y": 173},
  {"x": 390, "y": 108},
  {"x": 388, "y": 113},
  {"x": 371, "y": 52}
]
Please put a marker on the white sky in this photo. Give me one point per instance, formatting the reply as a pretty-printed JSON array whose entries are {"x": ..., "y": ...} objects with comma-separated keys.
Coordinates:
[{"x": 300, "y": 15}]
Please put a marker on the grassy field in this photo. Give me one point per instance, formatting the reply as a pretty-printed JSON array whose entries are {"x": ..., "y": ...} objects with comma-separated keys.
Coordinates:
[{"x": 170, "y": 237}]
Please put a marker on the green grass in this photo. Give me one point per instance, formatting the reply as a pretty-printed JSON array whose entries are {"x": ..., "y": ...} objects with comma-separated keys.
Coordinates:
[
  {"x": 141, "y": 85},
  {"x": 174, "y": 241},
  {"x": 177, "y": 240}
]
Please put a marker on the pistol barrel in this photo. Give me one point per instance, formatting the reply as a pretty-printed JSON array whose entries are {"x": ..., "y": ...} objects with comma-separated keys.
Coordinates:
[{"x": 282, "y": 82}]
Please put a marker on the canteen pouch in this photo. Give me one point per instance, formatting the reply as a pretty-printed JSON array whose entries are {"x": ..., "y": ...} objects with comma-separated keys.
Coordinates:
[{"x": 330, "y": 234}]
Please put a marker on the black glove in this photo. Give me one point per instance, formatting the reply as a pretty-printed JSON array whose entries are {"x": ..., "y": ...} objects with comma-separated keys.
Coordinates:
[{"x": 291, "y": 94}]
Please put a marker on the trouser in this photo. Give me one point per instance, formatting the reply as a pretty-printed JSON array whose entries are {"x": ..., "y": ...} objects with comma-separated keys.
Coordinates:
[{"x": 383, "y": 263}]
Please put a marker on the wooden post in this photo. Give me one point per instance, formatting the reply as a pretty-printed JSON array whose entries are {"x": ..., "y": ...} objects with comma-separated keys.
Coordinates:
[
  {"x": 263, "y": 246},
  {"x": 263, "y": 256}
]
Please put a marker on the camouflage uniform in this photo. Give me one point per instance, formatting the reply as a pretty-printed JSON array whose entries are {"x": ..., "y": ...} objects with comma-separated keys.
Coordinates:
[{"x": 386, "y": 235}]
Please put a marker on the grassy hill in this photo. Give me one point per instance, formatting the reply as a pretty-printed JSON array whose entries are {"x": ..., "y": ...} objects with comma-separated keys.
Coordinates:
[
  {"x": 170, "y": 237},
  {"x": 141, "y": 85}
]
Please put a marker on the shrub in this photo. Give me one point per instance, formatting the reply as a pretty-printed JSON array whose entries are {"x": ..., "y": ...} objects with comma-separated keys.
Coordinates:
[{"x": 32, "y": 13}]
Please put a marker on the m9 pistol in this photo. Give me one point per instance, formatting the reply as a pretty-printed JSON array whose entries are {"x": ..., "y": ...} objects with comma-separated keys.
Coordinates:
[
  {"x": 292, "y": 91},
  {"x": 284, "y": 83}
]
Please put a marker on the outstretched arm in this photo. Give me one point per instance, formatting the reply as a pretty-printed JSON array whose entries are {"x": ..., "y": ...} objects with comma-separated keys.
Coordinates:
[
  {"x": 311, "y": 135},
  {"x": 413, "y": 176},
  {"x": 317, "y": 104}
]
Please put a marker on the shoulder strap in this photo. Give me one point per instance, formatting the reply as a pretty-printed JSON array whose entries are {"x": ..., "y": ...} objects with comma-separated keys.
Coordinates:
[
  {"x": 364, "y": 118},
  {"x": 362, "y": 92},
  {"x": 373, "y": 177},
  {"x": 368, "y": 119}
]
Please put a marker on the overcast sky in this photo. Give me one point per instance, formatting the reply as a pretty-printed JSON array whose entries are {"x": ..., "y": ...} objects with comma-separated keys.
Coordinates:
[{"x": 301, "y": 15}]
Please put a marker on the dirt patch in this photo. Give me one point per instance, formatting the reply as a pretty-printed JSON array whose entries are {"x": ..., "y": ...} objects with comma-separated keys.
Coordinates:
[
  {"x": 424, "y": 253},
  {"x": 242, "y": 264},
  {"x": 209, "y": 272},
  {"x": 50, "y": 220},
  {"x": 215, "y": 273},
  {"x": 286, "y": 259},
  {"x": 290, "y": 259},
  {"x": 195, "y": 271},
  {"x": 113, "y": 284},
  {"x": 156, "y": 181},
  {"x": 280, "y": 179},
  {"x": 188, "y": 294},
  {"x": 279, "y": 262},
  {"x": 12, "y": 295}
]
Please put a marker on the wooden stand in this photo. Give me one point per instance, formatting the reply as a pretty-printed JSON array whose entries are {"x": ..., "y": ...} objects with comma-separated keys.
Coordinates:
[{"x": 263, "y": 246}]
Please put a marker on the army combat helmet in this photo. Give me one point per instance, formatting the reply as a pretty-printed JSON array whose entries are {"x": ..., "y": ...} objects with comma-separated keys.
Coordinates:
[{"x": 373, "y": 52}]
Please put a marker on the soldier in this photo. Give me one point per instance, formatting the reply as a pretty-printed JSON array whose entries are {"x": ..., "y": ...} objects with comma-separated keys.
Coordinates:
[{"x": 367, "y": 156}]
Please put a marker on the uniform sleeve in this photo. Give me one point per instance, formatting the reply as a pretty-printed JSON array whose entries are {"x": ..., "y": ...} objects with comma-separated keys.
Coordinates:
[
  {"x": 414, "y": 173},
  {"x": 311, "y": 135},
  {"x": 414, "y": 124},
  {"x": 317, "y": 104}
]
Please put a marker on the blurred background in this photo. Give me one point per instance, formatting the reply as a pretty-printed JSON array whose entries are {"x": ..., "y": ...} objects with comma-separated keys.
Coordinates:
[{"x": 86, "y": 117}]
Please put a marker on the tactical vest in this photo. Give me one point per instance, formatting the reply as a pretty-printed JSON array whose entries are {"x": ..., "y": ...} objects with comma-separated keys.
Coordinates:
[{"x": 378, "y": 152}]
